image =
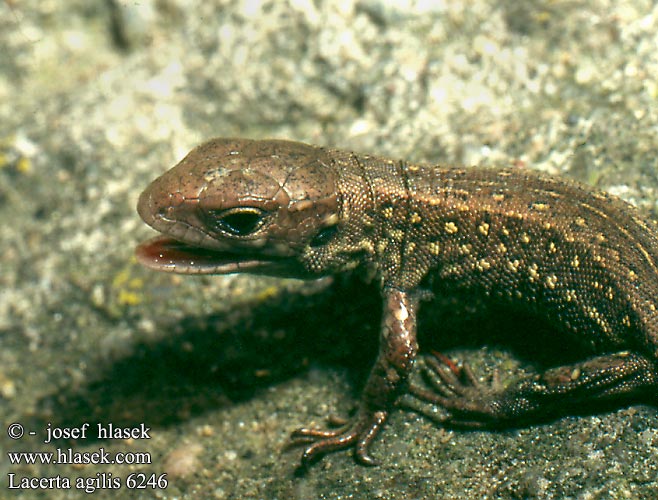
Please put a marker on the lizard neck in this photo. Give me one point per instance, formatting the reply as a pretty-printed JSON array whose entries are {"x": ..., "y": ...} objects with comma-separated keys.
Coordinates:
[{"x": 375, "y": 205}]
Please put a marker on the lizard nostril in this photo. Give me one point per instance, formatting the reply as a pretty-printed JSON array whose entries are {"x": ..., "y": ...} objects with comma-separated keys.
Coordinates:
[{"x": 176, "y": 199}]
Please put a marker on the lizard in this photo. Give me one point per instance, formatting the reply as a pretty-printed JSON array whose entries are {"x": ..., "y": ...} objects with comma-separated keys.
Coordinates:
[{"x": 584, "y": 260}]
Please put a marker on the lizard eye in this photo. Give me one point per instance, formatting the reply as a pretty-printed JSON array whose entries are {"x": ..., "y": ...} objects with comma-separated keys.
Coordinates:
[
  {"x": 241, "y": 221},
  {"x": 324, "y": 236}
]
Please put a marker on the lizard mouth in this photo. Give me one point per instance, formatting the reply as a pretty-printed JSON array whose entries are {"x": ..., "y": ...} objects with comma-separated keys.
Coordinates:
[{"x": 163, "y": 253}]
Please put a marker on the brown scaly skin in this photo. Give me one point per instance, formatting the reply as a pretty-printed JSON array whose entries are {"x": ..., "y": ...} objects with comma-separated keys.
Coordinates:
[{"x": 584, "y": 260}]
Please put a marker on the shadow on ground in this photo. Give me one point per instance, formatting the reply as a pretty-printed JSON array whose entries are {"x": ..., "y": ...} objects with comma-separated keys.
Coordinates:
[{"x": 215, "y": 361}]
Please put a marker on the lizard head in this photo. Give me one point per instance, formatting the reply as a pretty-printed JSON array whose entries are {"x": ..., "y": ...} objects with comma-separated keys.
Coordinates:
[{"x": 234, "y": 205}]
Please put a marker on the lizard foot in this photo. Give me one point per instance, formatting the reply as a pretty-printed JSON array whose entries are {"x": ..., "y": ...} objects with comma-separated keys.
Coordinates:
[
  {"x": 469, "y": 401},
  {"x": 359, "y": 433}
]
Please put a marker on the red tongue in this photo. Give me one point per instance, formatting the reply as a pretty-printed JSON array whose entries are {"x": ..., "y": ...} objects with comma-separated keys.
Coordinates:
[
  {"x": 163, "y": 253},
  {"x": 166, "y": 254}
]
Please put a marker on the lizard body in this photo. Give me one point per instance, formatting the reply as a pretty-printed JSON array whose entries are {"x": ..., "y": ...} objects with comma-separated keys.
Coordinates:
[{"x": 584, "y": 260}]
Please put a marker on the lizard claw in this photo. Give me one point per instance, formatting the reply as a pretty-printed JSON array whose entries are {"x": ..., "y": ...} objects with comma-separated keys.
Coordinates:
[
  {"x": 469, "y": 401},
  {"x": 359, "y": 433}
]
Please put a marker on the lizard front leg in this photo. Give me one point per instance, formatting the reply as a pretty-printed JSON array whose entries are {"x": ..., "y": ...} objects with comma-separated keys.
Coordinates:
[
  {"x": 387, "y": 380},
  {"x": 472, "y": 403}
]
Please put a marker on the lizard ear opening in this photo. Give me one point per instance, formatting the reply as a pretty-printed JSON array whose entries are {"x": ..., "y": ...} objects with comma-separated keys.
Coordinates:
[
  {"x": 239, "y": 221},
  {"x": 324, "y": 236}
]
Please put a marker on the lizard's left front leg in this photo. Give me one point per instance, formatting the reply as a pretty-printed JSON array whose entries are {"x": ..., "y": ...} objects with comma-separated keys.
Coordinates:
[{"x": 387, "y": 380}]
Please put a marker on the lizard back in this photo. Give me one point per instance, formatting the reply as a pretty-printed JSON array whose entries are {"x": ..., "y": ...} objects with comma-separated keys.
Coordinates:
[{"x": 582, "y": 258}]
